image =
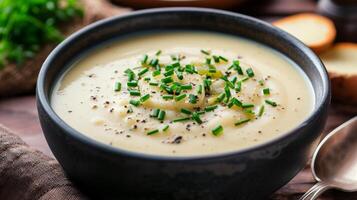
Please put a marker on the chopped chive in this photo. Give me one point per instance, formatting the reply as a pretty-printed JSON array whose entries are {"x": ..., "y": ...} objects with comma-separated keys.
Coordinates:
[
  {"x": 272, "y": 103},
  {"x": 134, "y": 92},
  {"x": 242, "y": 121},
  {"x": 250, "y": 72},
  {"x": 190, "y": 69},
  {"x": 186, "y": 87},
  {"x": 227, "y": 91},
  {"x": 143, "y": 71},
  {"x": 169, "y": 73},
  {"x": 207, "y": 83},
  {"x": 249, "y": 111},
  {"x": 161, "y": 115},
  {"x": 196, "y": 117},
  {"x": 155, "y": 73},
  {"x": 266, "y": 91},
  {"x": 216, "y": 59},
  {"x": 192, "y": 99},
  {"x": 220, "y": 97},
  {"x": 245, "y": 79},
  {"x": 152, "y": 132},
  {"x": 182, "y": 119},
  {"x": 236, "y": 102},
  {"x": 131, "y": 76},
  {"x": 155, "y": 113},
  {"x": 223, "y": 58},
  {"x": 169, "y": 67},
  {"x": 237, "y": 67},
  {"x": 200, "y": 112},
  {"x": 199, "y": 89},
  {"x": 261, "y": 82},
  {"x": 153, "y": 83},
  {"x": 217, "y": 130},
  {"x": 158, "y": 52},
  {"x": 239, "y": 86},
  {"x": 229, "y": 84},
  {"x": 168, "y": 96},
  {"x": 247, "y": 105},
  {"x": 208, "y": 61},
  {"x": 230, "y": 104},
  {"x": 211, "y": 108},
  {"x": 145, "y": 97},
  {"x": 176, "y": 64},
  {"x": 186, "y": 111},
  {"x": 166, "y": 127},
  {"x": 147, "y": 79},
  {"x": 135, "y": 103},
  {"x": 261, "y": 111},
  {"x": 205, "y": 52},
  {"x": 234, "y": 80},
  {"x": 117, "y": 86},
  {"x": 212, "y": 70},
  {"x": 180, "y": 97},
  {"x": 179, "y": 75},
  {"x": 154, "y": 62},
  {"x": 132, "y": 84},
  {"x": 145, "y": 59},
  {"x": 166, "y": 88},
  {"x": 167, "y": 80},
  {"x": 128, "y": 71}
]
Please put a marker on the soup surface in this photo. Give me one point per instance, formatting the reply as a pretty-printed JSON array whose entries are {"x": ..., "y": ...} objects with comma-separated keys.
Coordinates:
[{"x": 183, "y": 93}]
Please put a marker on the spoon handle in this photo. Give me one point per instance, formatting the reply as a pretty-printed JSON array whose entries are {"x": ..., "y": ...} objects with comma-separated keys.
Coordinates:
[{"x": 315, "y": 191}]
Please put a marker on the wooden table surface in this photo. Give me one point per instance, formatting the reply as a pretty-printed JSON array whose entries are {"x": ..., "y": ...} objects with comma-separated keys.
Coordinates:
[{"x": 20, "y": 114}]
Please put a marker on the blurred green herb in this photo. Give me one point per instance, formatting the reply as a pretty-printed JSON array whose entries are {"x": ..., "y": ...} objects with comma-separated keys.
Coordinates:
[{"x": 26, "y": 25}]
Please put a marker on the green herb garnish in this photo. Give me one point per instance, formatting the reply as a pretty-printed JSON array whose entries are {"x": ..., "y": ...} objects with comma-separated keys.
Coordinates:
[
  {"x": 196, "y": 118},
  {"x": 166, "y": 127},
  {"x": 250, "y": 72},
  {"x": 26, "y": 26},
  {"x": 161, "y": 115},
  {"x": 152, "y": 132},
  {"x": 145, "y": 98},
  {"x": 242, "y": 121},
  {"x": 155, "y": 113},
  {"x": 180, "y": 97},
  {"x": 272, "y": 103},
  {"x": 186, "y": 111},
  {"x": 143, "y": 71},
  {"x": 134, "y": 92},
  {"x": 261, "y": 110},
  {"x": 135, "y": 103},
  {"x": 266, "y": 91},
  {"x": 211, "y": 108},
  {"x": 217, "y": 130},
  {"x": 182, "y": 119},
  {"x": 117, "y": 87},
  {"x": 205, "y": 52}
]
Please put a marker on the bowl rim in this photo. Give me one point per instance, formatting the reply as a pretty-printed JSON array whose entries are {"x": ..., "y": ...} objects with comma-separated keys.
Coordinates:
[{"x": 44, "y": 102}]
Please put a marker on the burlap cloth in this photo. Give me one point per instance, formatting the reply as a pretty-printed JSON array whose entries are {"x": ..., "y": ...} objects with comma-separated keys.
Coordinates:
[
  {"x": 21, "y": 80},
  {"x": 28, "y": 174}
]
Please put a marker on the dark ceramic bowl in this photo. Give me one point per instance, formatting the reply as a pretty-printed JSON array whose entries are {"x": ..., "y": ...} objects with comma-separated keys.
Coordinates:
[{"x": 253, "y": 173}]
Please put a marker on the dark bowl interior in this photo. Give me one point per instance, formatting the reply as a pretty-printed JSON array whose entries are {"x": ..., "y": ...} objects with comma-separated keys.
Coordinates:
[{"x": 103, "y": 170}]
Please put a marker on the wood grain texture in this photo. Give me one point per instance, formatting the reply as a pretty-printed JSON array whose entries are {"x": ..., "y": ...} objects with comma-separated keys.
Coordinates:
[{"x": 20, "y": 115}]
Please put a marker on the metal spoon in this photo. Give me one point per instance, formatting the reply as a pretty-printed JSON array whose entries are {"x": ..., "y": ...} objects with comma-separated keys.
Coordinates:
[{"x": 334, "y": 163}]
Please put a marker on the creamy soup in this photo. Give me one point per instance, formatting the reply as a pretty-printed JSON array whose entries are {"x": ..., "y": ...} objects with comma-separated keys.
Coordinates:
[{"x": 183, "y": 93}]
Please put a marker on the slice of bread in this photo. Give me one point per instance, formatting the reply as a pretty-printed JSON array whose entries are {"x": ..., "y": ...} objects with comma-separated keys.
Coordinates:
[
  {"x": 316, "y": 31},
  {"x": 341, "y": 64}
]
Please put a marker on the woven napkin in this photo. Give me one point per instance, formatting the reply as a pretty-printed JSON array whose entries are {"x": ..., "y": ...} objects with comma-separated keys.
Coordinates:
[{"x": 28, "y": 174}]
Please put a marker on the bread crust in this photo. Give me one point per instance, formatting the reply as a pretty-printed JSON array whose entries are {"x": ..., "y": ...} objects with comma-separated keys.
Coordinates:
[
  {"x": 344, "y": 86},
  {"x": 319, "y": 46}
]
